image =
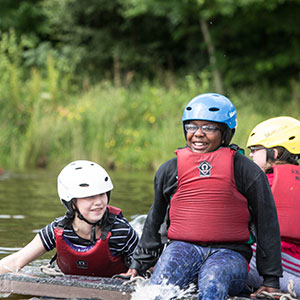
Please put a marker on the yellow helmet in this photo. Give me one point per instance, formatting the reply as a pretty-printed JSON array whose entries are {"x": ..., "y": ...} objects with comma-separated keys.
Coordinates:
[{"x": 279, "y": 131}]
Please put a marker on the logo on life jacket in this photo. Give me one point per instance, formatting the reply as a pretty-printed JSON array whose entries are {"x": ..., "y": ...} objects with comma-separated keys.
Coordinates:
[
  {"x": 204, "y": 169},
  {"x": 81, "y": 264}
]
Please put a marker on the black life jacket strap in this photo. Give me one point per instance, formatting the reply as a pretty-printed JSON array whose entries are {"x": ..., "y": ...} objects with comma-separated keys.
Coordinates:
[{"x": 109, "y": 225}]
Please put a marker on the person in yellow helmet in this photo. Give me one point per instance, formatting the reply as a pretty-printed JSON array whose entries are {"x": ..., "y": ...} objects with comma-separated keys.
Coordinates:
[{"x": 275, "y": 147}]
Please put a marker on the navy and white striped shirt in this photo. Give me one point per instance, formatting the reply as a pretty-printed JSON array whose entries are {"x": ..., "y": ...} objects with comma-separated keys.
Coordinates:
[{"x": 123, "y": 240}]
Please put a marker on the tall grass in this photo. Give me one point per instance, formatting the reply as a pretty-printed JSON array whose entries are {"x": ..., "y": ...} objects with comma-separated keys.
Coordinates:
[{"x": 47, "y": 121}]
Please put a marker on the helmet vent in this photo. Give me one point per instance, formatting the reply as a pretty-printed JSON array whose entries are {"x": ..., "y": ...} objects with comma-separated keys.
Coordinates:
[
  {"x": 291, "y": 137},
  {"x": 214, "y": 109},
  {"x": 188, "y": 108},
  {"x": 84, "y": 185},
  {"x": 106, "y": 178},
  {"x": 78, "y": 168}
]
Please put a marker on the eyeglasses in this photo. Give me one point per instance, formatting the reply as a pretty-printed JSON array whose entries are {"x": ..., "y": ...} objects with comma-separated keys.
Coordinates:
[
  {"x": 192, "y": 128},
  {"x": 256, "y": 148}
]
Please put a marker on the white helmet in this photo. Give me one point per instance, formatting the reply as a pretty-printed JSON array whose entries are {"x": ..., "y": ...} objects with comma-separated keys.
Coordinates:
[{"x": 80, "y": 179}]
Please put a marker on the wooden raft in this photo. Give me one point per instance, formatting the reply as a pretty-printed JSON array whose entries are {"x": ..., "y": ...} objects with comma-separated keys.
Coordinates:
[{"x": 65, "y": 286}]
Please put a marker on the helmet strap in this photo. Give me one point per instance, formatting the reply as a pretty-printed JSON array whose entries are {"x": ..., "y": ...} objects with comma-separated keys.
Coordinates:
[
  {"x": 285, "y": 156},
  {"x": 81, "y": 217},
  {"x": 108, "y": 196},
  {"x": 184, "y": 131},
  {"x": 94, "y": 224},
  {"x": 288, "y": 157},
  {"x": 270, "y": 154},
  {"x": 227, "y": 135},
  {"x": 93, "y": 234}
]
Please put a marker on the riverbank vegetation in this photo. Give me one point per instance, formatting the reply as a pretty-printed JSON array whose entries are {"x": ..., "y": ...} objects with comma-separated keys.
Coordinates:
[
  {"x": 46, "y": 120},
  {"x": 109, "y": 82}
]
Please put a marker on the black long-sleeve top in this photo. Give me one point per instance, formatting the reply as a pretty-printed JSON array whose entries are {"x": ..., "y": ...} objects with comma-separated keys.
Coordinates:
[{"x": 250, "y": 181}]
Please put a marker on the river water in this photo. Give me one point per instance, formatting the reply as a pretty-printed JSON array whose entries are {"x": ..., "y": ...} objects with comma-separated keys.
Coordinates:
[{"x": 29, "y": 201}]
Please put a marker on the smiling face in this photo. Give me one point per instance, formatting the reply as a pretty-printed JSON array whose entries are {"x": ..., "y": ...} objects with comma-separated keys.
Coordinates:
[
  {"x": 93, "y": 208},
  {"x": 201, "y": 142}
]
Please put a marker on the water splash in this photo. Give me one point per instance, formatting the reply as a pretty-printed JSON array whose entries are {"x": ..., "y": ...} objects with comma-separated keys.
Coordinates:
[
  {"x": 164, "y": 291},
  {"x": 138, "y": 223},
  {"x": 4, "y": 295}
]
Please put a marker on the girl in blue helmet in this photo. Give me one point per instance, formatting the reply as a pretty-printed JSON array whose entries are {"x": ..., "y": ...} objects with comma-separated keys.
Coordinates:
[{"x": 210, "y": 192}]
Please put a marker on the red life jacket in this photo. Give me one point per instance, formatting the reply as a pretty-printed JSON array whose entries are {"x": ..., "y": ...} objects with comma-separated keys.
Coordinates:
[
  {"x": 286, "y": 192},
  {"x": 207, "y": 207},
  {"x": 95, "y": 260}
]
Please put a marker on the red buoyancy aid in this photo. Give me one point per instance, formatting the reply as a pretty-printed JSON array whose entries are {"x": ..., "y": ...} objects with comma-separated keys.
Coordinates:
[
  {"x": 286, "y": 192},
  {"x": 95, "y": 260},
  {"x": 207, "y": 207}
]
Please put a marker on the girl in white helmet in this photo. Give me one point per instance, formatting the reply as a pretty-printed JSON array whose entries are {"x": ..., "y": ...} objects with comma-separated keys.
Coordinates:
[
  {"x": 93, "y": 238},
  {"x": 275, "y": 147}
]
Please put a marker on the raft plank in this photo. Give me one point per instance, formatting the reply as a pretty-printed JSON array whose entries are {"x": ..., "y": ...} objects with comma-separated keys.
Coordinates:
[
  {"x": 31, "y": 281},
  {"x": 65, "y": 287}
]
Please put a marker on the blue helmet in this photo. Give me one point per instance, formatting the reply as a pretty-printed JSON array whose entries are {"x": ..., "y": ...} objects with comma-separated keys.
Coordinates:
[{"x": 211, "y": 107}]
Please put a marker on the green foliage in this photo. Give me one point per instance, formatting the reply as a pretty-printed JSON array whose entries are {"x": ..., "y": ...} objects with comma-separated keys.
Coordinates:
[
  {"x": 108, "y": 80},
  {"x": 130, "y": 40},
  {"x": 137, "y": 127},
  {"x": 25, "y": 16},
  {"x": 263, "y": 50},
  {"x": 25, "y": 99},
  {"x": 133, "y": 128}
]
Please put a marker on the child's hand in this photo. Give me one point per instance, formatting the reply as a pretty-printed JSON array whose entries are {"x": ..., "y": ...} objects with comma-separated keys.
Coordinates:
[
  {"x": 131, "y": 273},
  {"x": 264, "y": 289}
]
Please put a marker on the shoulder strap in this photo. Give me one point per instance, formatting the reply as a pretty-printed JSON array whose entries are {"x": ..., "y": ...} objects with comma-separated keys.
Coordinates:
[
  {"x": 108, "y": 226},
  {"x": 66, "y": 220},
  {"x": 53, "y": 259},
  {"x": 236, "y": 148}
]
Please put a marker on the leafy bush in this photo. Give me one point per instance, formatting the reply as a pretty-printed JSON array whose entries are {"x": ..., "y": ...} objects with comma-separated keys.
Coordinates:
[{"x": 47, "y": 120}]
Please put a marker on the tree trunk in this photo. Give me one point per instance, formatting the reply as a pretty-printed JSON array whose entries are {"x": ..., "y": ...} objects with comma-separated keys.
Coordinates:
[
  {"x": 117, "y": 71},
  {"x": 212, "y": 56},
  {"x": 295, "y": 92}
]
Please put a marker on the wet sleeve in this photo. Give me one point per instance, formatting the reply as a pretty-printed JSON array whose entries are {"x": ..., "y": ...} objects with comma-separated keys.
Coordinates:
[
  {"x": 124, "y": 240},
  {"x": 131, "y": 242},
  {"x": 47, "y": 234},
  {"x": 253, "y": 184},
  {"x": 150, "y": 245}
]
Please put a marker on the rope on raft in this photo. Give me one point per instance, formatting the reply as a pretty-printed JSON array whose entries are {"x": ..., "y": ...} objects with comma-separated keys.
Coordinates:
[
  {"x": 291, "y": 295},
  {"x": 51, "y": 271}
]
